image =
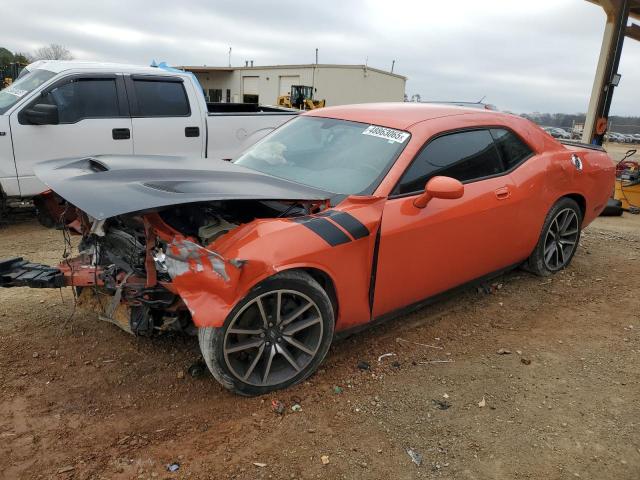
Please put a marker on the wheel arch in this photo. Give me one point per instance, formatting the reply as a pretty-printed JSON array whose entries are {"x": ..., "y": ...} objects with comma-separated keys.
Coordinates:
[
  {"x": 326, "y": 282},
  {"x": 579, "y": 199}
]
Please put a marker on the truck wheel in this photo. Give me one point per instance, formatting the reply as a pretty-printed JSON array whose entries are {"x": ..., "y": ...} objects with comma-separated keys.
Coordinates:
[
  {"x": 559, "y": 239},
  {"x": 274, "y": 338}
]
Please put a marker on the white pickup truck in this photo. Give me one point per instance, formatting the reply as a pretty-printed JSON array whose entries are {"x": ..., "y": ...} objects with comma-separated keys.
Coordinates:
[{"x": 59, "y": 109}]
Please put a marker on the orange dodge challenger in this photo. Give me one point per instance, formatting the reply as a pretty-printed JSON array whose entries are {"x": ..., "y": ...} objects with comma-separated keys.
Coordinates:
[{"x": 341, "y": 217}]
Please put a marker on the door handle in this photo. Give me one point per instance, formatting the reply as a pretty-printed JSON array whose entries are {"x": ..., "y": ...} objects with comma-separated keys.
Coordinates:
[
  {"x": 503, "y": 193},
  {"x": 121, "y": 134},
  {"x": 191, "y": 131}
]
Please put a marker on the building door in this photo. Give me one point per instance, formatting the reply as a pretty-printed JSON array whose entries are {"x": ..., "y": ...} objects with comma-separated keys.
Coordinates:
[
  {"x": 285, "y": 83},
  {"x": 250, "y": 89},
  {"x": 215, "y": 95}
]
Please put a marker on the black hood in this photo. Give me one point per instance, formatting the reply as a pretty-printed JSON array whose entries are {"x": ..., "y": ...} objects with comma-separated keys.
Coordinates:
[{"x": 109, "y": 185}]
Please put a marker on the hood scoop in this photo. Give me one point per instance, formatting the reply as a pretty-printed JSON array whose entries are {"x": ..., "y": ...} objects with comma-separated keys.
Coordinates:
[{"x": 105, "y": 186}]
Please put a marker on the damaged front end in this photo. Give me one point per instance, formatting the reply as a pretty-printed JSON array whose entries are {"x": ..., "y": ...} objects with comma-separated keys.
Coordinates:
[{"x": 156, "y": 271}]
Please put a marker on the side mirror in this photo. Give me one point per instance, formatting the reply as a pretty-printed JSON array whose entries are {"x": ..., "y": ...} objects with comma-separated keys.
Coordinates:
[
  {"x": 439, "y": 187},
  {"x": 41, "y": 114}
]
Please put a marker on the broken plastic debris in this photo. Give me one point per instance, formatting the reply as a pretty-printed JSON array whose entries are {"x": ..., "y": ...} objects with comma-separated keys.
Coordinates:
[
  {"x": 415, "y": 456},
  {"x": 362, "y": 365},
  {"x": 482, "y": 403},
  {"x": 337, "y": 389},
  {"x": 197, "y": 369},
  {"x": 260, "y": 464},
  {"x": 384, "y": 355},
  {"x": 441, "y": 404},
  {"x": 277, "y": 406},
  {"x": 324, "y": 459},
  {"x": 296, "y": 407},
  {"x": 173, "y": 467}
]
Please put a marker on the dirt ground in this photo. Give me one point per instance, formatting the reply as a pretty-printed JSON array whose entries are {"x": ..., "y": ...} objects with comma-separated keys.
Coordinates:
[{"x": 81, "y": 399}]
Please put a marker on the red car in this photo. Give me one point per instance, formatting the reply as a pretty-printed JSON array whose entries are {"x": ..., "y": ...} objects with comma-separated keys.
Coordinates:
[{"x": 342, "y": 216}]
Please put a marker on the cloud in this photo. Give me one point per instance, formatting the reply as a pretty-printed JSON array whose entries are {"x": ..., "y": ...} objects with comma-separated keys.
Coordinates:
[{"x": 539, "y": 58}]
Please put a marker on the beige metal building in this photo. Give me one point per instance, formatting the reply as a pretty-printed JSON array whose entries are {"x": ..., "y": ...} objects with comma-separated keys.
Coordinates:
[{"x": 337, "y": 84}]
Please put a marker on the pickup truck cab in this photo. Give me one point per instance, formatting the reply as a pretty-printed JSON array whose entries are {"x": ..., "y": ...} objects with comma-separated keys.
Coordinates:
[{"x": 59, "y": 109}]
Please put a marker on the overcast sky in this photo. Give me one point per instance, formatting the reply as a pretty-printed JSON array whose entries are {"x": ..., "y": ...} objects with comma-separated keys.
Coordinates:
[{"x": 538, "y": 57}]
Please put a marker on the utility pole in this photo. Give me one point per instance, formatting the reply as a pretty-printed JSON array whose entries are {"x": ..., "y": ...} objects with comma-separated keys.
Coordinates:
[
  {"x": 313, "y": 76},
  {"x": 229, "y": 56},
  {"x": 393, "y": 64}
]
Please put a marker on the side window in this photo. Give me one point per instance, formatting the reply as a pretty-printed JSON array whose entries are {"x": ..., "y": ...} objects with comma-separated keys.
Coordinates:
[
  {"x": 161, "y": 99},
  {"x": 465, "y": 156},
  {"x": 512, "y": 149},
  {"x": 85, "y": 98}
]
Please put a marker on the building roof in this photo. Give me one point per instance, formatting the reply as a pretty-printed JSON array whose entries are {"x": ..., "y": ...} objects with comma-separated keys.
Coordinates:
[
  {"x": 205, "y": 69},
  {"x": 400, "y": 115}
]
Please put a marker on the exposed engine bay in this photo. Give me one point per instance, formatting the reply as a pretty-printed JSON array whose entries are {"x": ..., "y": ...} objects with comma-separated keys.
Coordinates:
[{"x": 123, "y": 269}]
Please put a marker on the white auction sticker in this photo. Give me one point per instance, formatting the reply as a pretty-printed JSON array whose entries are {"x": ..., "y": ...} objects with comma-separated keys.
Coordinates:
[{"x": 387, "y": 133}]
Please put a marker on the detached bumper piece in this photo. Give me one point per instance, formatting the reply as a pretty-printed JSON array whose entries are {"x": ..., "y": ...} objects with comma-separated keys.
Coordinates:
[{"x": 16, "y": 272}]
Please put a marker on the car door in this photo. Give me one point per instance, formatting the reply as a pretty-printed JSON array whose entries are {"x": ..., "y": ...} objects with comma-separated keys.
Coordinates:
[
  {"x": 163, "y": 121},
  {"x": 423, "y": 252},
  {"x": 93, "y": 119}
]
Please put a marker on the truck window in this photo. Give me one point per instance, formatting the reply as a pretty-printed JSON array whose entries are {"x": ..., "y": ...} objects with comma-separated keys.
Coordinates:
[
  {"x": 25, "y": 84},
  {"x": 85, "y": 98},
  {"x": 161, "y": 99}
]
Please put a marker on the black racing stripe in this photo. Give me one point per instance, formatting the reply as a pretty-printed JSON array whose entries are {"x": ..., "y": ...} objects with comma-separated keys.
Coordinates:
[
  {"x": 325, "y": 229},
  {"x": 347, "y": 221}
]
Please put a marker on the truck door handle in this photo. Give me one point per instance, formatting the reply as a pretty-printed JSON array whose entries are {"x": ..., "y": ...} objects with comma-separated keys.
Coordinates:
[
  {"x": 121, "y": 134},
  {"x": 503, "y": 193},
  {"x": 191, "y": 131}
]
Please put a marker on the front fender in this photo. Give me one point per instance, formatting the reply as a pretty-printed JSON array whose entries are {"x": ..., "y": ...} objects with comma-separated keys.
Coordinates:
[{"x": 211, "y": 280}]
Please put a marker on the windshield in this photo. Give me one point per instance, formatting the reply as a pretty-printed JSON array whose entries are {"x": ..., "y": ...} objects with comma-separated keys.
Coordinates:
[
  {"x": 335, "y": 155},
  {"x": 21, "y": 87}
]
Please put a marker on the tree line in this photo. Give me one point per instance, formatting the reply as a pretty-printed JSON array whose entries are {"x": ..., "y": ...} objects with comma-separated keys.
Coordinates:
[
  {"x": 568, "y": 120},
  {"x": 53, "y": 51}
]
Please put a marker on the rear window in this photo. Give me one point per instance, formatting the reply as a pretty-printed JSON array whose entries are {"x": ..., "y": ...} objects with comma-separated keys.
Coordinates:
[
  {"x": 161, "y": 99},
  {"x": 512, "y": 150}
]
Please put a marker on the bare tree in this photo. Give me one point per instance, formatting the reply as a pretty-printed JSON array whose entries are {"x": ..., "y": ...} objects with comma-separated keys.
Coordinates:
[{"x": 52, "y": 52}]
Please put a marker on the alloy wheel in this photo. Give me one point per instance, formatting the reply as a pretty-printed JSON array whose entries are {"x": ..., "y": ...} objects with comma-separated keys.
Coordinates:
[
  {"x": 561, "y": 239},
  {"x": 273, "y": 337}
]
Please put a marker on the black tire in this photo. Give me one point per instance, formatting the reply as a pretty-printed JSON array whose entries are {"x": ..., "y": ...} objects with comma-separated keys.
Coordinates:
[
  {"x": 292, "y": 289},
  {"x": 539, "y": 263},
  {"x": 613, "y": 208}
]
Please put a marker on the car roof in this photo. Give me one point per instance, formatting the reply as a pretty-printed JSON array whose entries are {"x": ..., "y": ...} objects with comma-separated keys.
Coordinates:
[
  {"x": 400, "y": 115},
  {"x": 57, "y": 66}
]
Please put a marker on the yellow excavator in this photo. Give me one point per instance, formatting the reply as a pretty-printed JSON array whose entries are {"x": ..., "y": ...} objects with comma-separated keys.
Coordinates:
[{"x": 300, "y": 97}]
